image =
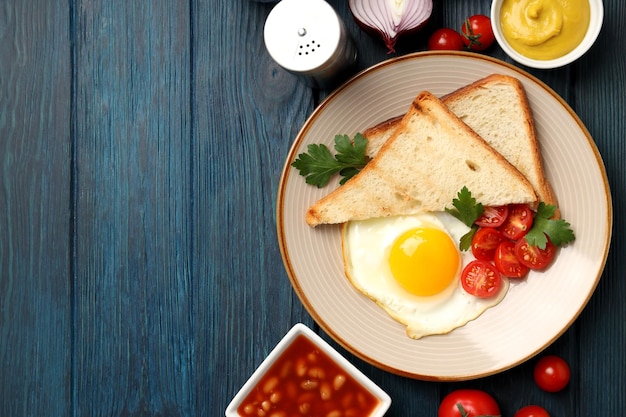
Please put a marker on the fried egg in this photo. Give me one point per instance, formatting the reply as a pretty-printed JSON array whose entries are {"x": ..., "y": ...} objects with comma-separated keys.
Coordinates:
[{"x": 411, "y": 267}]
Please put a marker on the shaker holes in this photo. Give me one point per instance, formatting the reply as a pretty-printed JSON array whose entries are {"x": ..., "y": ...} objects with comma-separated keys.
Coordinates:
[{"x": 308, "y": 48}]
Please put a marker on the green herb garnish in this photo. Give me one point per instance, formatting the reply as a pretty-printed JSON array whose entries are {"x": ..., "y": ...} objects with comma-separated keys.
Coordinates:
[
  {"x": 467, "y": 210},
  {"x": 318, "y": 165},
  {"x": 558, "y": 230}
]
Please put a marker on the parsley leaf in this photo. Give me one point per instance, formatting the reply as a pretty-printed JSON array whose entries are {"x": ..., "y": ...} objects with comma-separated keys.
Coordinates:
[
  {"x": 467, "y": 210},
  {"x": 466, "y": 240},
  {"x": 318, "y": 165},
  {"x": 349, "y": 152},
  {"x": 558, "y": 230}
]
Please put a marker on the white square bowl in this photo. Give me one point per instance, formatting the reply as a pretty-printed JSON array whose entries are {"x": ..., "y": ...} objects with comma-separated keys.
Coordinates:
[{"x": 383, "y": 399}]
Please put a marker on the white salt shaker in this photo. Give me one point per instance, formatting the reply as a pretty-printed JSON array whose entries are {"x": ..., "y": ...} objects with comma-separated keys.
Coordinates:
[{"x": 308, "y": 38}]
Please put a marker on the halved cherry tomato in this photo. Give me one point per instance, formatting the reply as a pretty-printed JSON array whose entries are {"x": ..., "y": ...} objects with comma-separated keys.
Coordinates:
[
  {"x": 484, "y": 243},
  {"x": 445, "y": 39},
  {"x": 551, "y": 373},
  {"x": 474, "y": 403},
  {"x": 481, "y": 279},
  {"x": 493, "y": 216},
  {"x": 477, "y": 33},
  {"x": 507, "y": 263},
  {"x": 532, "y": 256},
  {"x": 518, "y": 222},
  {"x": 532, "y": 411}
]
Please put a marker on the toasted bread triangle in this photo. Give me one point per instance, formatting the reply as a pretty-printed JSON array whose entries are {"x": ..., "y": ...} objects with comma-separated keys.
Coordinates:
[
  {"x": 429, "y": 158},
  {"x": 495, "y": 107}
]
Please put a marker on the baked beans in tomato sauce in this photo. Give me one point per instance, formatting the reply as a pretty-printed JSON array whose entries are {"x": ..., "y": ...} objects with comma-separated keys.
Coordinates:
[{"x": 304, "y": 381}]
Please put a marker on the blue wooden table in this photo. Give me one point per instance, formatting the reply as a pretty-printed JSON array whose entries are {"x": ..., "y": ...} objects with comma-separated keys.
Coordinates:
[{"x": 141, "y": 146}]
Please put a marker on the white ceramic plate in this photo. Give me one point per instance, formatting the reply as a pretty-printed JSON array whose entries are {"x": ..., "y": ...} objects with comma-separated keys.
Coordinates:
[{"x": 536, "y": 310}]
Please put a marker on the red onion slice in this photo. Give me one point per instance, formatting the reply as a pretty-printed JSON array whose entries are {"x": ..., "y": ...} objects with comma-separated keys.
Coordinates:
[{"x": 391, "y": 18}]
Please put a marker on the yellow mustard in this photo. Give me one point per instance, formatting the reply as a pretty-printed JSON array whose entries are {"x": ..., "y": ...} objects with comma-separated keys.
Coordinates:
[{"x": 544, "y": 29}]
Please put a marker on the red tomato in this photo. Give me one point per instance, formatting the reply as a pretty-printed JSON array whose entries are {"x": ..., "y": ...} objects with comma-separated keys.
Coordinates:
[
  {"x": 477, "y": 33},
  {"x": 518, "y": 222},
  {"x": 474, "y": 402},
  {"x": 532, "y": 411},
  {"x": 506, "y": 261},
  {"x": 532, "y": 256},
  {"x": 484, "y": 243},
  {"x": 481, "y": 279},
  {"x": 551, "y": 373},
  {"x": 445, "y": 39},
  {"x": 493, "y": 216}
]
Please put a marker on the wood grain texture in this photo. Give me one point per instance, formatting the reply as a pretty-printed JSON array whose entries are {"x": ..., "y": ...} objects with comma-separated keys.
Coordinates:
[
  {"x": 247, "y": 110},
  {"x": 35, "y": 281},
  {"x": 600, "y": 80},
  {"x": 141, "y": 146},
  {"x": 134, "y": 337}
]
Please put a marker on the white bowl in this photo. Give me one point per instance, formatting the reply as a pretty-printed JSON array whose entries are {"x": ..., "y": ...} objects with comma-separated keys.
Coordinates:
[
  {"x": 595, "y": 24},
  {"x": 382, "y": 399}
]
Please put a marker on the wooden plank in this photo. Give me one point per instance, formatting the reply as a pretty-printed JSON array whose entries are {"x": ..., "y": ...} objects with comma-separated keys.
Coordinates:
[
  {"x": 134, "y": 324},
  {"x": 247, "y": 111},
  {"x": 35, "y": 160},
  {"x": 600, "y": 100}
]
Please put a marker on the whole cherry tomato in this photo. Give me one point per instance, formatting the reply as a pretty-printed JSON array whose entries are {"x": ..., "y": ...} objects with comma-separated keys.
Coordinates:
[
  {"x": 532, "y": 411},
  {"x": 445, "y": 39},
  {"x": 551, "y": 373},
  {"x": 477, "y": 33},
  {"x": 474, "y": 403}
]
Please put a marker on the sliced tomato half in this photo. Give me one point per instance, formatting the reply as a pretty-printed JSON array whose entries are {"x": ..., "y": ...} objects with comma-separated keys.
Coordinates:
[
  {"x": 532, "y": 256},
  {"x": 493, "y": 216},
  {"x": 481, "y": 278},
  {"x": 484, "y": 243},
  {"x": 506, "y": 261},
  {"x": 518, "y": 222}
]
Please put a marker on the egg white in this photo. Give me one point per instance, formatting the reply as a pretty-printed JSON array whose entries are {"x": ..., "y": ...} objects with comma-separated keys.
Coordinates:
[{"x": 366, "y": 248}]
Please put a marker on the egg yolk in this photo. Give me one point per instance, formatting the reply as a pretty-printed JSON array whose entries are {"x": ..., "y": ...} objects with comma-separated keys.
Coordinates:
[{"x": 424, "y": 261}]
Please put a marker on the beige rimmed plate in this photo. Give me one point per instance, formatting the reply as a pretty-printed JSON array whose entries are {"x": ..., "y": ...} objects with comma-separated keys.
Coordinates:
[{"x": 536, "y": 310}]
